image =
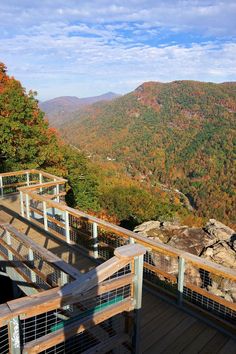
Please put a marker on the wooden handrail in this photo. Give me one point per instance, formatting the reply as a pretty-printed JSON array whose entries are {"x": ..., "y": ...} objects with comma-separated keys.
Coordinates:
[
  {"x": 79, "y": 326},
  {"x": 33, "y": 171},
  {"x": 16, "y": 173},
  {"x": 56, "y": 298},
  {"x": 44, "y": 253},
  {"x": 154, "y": 245},
  {"x": 126, "y": 234}
]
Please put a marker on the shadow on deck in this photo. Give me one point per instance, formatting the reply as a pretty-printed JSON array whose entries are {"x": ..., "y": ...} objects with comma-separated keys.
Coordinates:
[{"x": 164, "y": 327}]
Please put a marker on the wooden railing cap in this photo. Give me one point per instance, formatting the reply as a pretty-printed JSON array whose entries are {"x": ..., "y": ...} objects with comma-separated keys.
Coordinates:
[{"x": 129, "y": 251}]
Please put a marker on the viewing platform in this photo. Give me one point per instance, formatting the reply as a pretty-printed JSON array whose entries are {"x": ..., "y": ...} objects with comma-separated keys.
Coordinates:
[{"x": 82, "y": 281}]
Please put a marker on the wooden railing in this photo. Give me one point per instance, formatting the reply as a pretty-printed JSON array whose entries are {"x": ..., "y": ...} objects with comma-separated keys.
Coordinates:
[
  {"x": 68, "y": 316},
  {"x": 35, "y": 266},
  {"x": 188, "y": 279}
]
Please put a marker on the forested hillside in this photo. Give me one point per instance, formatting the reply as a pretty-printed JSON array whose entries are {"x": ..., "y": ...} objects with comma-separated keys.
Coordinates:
[
  {"x": 26, "y": 141},
  {"x": 60, "y": 109},
  {"x": 181, "y": 134}
]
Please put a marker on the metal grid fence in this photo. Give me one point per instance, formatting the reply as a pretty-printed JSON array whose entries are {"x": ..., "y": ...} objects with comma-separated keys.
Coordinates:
[
  {"x": 211, "y": 291},
  {"x": 92, "y": 337},
  {"x": 108, "y": 242},
  {"x": 33, "y": 264},
  {"x": 38, "y": 326},
  {"x": 4, "y": 340},
  {"x": 81, "y": 231},
  {"x": 11, "y": 183}
]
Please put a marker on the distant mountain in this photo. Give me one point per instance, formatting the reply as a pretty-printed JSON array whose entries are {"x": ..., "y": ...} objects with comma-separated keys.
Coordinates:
[
  {"x": 59, "y": 109},
  {"x": 181, "y": 134}
]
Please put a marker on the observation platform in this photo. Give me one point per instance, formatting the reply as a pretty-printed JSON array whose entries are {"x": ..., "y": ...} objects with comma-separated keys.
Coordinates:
[{"x": 166, "y": 326}]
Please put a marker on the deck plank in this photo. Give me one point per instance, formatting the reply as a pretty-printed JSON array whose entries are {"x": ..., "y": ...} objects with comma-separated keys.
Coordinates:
[
  {"x": 200, "y": 341},
  {"x": 215, "y": 344},
  {"x": 228, "y": 348},
  {"x": 174, "y": 334},
  {"x": 186, "y": 338},
  {"x": 159, "y": 327}
]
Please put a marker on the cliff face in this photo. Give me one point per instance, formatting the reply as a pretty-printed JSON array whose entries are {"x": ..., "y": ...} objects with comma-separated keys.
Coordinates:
[{"x": 215, "y": 242}]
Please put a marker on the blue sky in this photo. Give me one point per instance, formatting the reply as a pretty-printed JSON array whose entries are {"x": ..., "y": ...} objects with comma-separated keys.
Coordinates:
[{"x": 88, "y": 47}]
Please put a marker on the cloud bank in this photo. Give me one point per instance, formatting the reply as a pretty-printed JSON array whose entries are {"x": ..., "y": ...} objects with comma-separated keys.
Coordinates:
[{"x": 89, "y": 47}]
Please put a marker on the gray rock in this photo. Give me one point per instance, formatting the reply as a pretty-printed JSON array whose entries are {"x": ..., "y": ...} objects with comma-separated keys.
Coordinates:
[
  {"x": 171, "y": 225},
  {"x": 215, "y": 291},
  {"x": 216, "y": 242},
  {"x": 223, "y": 254},
  {"x": 228, "y": 298},
  {"x": 233, "y": 295},
  {"x": 220, "y": 231},
  {"x": 192, "y": 240},
  {"x": 148, "y": 225}
]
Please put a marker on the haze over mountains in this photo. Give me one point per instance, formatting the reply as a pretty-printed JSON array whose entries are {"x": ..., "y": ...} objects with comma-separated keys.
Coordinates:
[
  {"x": 57, "y": 109},
  {"x": 182, "y": 134}
]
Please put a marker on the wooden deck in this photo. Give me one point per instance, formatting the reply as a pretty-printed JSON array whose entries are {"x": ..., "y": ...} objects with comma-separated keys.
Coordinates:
[{"x": 164, "y": 328}]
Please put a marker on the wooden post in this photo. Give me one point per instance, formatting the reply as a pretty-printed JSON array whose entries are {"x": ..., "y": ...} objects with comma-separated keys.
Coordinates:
[
  {"x": 57, "y": 191},
  {"x": 14, "y": 336},
  {"x": 27, "y": 206},
  {"x": 31, "y": 259},
  {"x": 95, "y": 240},
  {"x": 40, "y": 181},
  {"x": 1, "y": 186},
  {"x": 181, "y": 267},
  {"x": 136, "y": 251},
  {"x": 64, "y": 278},
  {"x": 8, "y": 235},
  {"x": 27, "y": 179},
  {"x": 45, "y": 216},
  {"x": 67, "y": 227},
  {"x": 22, "y": 212},
  {"x": 131, "y": 240},
  {"x": 138, "y": 285}
]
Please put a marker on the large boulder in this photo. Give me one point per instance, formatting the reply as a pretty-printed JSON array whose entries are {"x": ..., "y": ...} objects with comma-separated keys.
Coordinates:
[
  {"x": 221, "y": 253},
  {"x": 215, "y": 242},
  {"x": 192, "y": 240},
  {"x": 220, "y": 231}
]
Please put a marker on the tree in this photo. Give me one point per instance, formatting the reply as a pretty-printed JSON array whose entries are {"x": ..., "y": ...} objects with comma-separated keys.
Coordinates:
[{"x": 26, "y": 141}]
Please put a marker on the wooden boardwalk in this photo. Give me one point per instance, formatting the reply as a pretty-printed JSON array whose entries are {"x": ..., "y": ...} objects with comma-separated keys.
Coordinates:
[{"x": 164, "y": 328}]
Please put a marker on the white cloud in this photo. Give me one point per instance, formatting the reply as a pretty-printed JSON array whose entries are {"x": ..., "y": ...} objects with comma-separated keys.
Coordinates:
[{"x": 60, "y": 47}]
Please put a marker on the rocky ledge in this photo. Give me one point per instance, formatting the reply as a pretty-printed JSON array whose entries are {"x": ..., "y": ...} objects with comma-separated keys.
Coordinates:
[{"x": 215, "y": 242}]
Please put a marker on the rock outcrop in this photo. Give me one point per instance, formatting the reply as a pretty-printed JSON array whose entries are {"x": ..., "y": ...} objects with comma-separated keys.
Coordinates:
[{"x": 215, "y": 242}]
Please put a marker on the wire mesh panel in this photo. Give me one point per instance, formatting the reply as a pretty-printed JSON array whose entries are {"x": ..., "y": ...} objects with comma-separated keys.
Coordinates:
[
  {"x": 92, "y": 337},
  {"x": 100, "y": 302},
  {"x": 40, "y": 325},
  {"x": 11, "y": 183},
  {"x": 211, "y": 291},
  {"x": 36, "y": 210},
  {"x": 53, "y": 275},
  {"x": 108, "y": 241},
  {"x": 3, "y": 250},
  {"x": 34, "y": 265},
  {"x": 34, "y": 178},
  {"x": 81, "y": 231},
  {"x": 57, "y": 224},
  {"x": 4, "y": 340},
  {"x": 161, "y": 269}
]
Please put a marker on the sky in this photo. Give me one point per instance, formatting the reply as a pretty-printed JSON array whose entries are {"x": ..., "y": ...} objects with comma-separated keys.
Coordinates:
[{"x": 89, "y": 47}]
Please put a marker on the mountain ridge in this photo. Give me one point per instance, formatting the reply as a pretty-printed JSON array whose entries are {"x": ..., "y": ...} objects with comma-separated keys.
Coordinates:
[
  {"x": 182, "y": 134},
  {"x": 59, "y": 108}
]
